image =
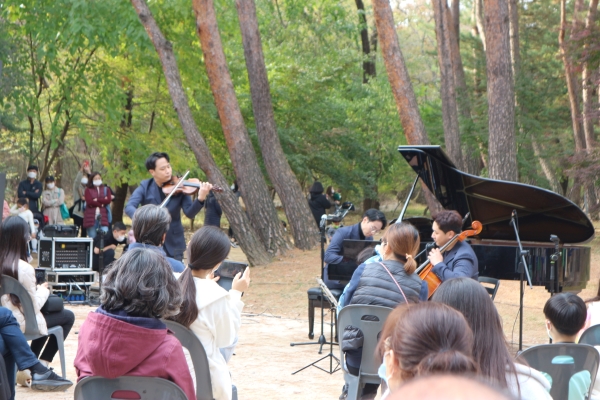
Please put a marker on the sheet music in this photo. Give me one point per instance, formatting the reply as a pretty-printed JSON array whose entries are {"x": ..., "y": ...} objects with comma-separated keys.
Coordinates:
[{"x": 327, "y": 292}]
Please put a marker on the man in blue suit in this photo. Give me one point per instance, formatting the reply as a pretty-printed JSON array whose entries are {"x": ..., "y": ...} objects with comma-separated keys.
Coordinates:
[
  {"x": 458, "y": 259},
  {"x": 150, "y": 192}
]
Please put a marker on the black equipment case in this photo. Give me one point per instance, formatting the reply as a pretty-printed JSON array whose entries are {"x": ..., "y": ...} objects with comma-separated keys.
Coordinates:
[{"x": 61, "y": 231}]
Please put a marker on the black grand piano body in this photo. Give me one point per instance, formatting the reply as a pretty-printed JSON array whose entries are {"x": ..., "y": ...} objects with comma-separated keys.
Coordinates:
[{"x": 541, "y": 213}]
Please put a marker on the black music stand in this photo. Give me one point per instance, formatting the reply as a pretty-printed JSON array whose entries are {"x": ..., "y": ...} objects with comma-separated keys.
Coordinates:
[
  {"x": 521, "y": 264},
  {"x": 322, "y": 340},
  {"x": 100, "y": 232}
]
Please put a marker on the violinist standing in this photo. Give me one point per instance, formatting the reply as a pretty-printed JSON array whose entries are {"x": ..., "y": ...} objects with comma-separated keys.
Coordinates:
[
  {"x": 459, "y": 259},
  {"x": 150, "y": 192}
]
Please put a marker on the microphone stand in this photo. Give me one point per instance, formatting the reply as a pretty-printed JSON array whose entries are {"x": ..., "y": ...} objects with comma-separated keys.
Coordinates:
[
  {"x": 554, "y": 266},
  {"x": 100, "y": 232},
  {"x": 523, "y": 268}
]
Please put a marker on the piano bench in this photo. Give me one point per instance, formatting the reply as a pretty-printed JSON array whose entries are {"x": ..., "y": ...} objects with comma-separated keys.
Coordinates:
[{"x": 314, "y": 301}]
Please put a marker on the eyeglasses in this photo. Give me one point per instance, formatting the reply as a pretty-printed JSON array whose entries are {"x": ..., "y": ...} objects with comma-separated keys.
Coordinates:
[{"x": 373, "y": 228}]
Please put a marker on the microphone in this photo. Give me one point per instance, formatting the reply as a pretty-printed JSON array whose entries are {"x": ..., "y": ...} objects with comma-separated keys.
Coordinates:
[{"x": 513, "y": 216}]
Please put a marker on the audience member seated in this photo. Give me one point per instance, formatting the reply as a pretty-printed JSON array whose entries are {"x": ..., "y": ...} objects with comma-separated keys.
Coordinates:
[
  {"x": 386, "y": 284},
  {"x": 52, "y": 198},
  {"x": 373, "y": 221},
  {"x": 22, "y": 210},
  {"x": 490, "y": 349},
  {"x": 125, "y": 335},
  {"x": 210, "y": 311},
  {"x": 150, "y": 225},
  {"x": 15, "y": 349},
  {"x": 119, "y": 230},
  {"x": 449, "y": 387},
  {"x": 426, "y": 338},
  {"x": 13, "y": 253},
  {"x": 565, "y": 316}
]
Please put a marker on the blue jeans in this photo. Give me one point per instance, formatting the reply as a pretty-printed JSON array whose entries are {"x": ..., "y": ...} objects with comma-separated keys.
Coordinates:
[
  {"x": 14, "y": 347},
  {"x": 91, "y": 231}
]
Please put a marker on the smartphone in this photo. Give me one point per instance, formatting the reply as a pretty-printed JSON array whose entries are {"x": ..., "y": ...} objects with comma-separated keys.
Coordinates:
[
  {"x": 40, "y": 276},
  {"x": 229, "y": 269}
]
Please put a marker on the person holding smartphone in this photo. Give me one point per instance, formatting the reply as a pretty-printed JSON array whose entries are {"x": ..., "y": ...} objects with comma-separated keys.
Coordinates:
[{"x": 211, "y": 312}]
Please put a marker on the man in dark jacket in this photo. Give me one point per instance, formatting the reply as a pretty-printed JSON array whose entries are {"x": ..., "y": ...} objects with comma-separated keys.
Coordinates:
[
  {"x": 458, "y": 259},
  {"x": 212, "y": 211},
  {"x": 150, "y": 192},
  {"x": 150, "y": 225},
  {"x": 31, "y": 188},
  {"x": 318, "y": 202},
  {"x": 373, "y": 221}
]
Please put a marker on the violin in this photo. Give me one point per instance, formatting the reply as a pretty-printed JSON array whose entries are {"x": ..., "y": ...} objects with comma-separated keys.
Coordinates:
[
  {"x": 424, "y": 270},
  {"x": 188, "y": 186}
]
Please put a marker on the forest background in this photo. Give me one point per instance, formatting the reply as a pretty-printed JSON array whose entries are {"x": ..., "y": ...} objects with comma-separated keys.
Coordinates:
[{"x": 509, "y": 88}]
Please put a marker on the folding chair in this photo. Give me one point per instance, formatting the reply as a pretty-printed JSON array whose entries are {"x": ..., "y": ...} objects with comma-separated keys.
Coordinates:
[
  {"x": 495, "y": 283},
  {"x": 568, "y": 365},
  {"x": 591, "y": 336},
  {"x": 12, "y": 286},
  {"x": 190, "y": 341},
  {"x": 99, "y": 388},
  {"x": 370, "y": 320},
  {"x": 314, "y": 301}
]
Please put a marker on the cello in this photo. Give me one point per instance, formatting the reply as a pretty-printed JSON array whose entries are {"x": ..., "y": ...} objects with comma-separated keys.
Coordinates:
[{"x": 425, "y": 270}]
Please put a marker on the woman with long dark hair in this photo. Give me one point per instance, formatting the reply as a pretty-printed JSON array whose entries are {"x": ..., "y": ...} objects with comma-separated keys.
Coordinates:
[
  {"x": 210, "y": 311},
  {"x": 426, "y": 338},
  {"x": 97, "y": 197},
  {"x": 490, "y": 349},
  {"x": 13, "y": 256}
]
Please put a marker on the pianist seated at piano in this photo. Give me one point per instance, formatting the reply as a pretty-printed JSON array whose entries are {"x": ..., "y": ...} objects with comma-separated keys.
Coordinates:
[
  {"x": 458, "y": 260},
  {"x": 373, "y": 221}
]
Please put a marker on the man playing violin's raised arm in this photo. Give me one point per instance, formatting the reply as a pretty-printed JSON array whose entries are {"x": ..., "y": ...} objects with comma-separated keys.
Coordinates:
[
  {"x": 459, "y": 259},
  {"x": 150, "y": 192}
]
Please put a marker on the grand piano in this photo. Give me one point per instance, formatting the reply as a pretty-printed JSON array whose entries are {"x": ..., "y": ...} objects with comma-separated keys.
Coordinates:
[{"x": 540, "y": 212}]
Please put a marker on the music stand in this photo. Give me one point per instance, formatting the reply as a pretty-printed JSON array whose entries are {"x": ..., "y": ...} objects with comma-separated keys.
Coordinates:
[
  {"x": 334, "y": 304},
  {"x": 522, "y": 268}
]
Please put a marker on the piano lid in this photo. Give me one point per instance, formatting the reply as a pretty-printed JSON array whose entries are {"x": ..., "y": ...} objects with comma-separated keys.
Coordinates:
[{"x": 540, "y": 212}]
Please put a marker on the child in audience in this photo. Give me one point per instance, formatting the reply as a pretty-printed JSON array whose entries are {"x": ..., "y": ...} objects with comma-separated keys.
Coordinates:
[
  {"x": 490, "y": 349},
  {"x": 22, "y": 210},
  {"x": 426, "y": 338},
  {"x": 210, "y": 311},
  {"x": 565, "y": 316},
  {"x": 125, "y": 335}
]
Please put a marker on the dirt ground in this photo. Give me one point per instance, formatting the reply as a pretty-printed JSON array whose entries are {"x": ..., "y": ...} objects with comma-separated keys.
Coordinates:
[{"x": 275, "y": 315}]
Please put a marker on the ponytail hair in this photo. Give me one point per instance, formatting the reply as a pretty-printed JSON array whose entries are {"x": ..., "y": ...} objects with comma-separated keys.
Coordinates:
[
  {"x": 403, "y": 239},
  {"x": 430, "y": 338},
  {"x": 208, "y": 247}
]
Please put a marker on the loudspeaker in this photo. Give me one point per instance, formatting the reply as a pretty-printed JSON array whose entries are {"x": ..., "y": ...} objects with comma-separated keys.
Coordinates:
[{"x": 66, "y": 254}]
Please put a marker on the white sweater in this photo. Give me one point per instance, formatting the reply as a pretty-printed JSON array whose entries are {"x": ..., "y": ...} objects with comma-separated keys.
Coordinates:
[
  {"x": 533, "y": 385},
  {"x": 219, "y": 320},
  {"x": 38, "y": 294}
]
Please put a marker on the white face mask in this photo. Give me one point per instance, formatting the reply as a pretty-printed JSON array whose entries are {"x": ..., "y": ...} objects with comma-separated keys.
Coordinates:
[
  {"x": 32, "y": 174},
  {"x": 50, "y": 185},
  {"x": 120, "y": 238},
  {"x": 97, "y": 182},
  {"x": 549, "y": 334},
  {"x": 84, "y": 181},
  {"x": 21, "y": 209}
]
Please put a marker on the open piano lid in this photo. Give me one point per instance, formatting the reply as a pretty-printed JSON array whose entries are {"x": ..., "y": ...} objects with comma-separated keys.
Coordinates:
[{"x": 540, "y": 212}]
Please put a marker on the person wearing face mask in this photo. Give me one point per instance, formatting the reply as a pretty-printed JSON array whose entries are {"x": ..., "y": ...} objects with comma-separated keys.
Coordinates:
[
  {"x": 79, "y": 185},
  {"x": 97, "y": 197},
  {"x": 22, "y": 210},
  {"x": 52, "y": 198},
  {"x": 111, "y": 242},
  {"x": 373, "y": 221},
  {"x": 31, "y": 189}
]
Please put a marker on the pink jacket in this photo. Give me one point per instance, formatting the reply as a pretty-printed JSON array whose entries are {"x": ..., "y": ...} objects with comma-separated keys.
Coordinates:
[{"x": 111, "y": 347}]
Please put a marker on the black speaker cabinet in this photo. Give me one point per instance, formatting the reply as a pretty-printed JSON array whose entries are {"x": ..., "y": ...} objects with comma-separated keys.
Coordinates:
[{"x": 66, "y": 254}]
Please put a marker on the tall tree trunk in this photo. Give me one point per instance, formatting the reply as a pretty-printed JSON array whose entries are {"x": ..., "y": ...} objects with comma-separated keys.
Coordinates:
[
  {"x": 587, "y": 83},
  {"x": 247, "y": 237},
  {"x": 368, "y": 61},
  {"x": 406, "y": 102},
  {"x": 480, "y": 23},
  {"x": 286, "y": 185},
  {"x": 448, "y": 92},
  {"x": 118, "y": 204},
  {"x": 513, "y": 12},
  {"x": 243, "y": 157},
  {"x": 502, "y": 147}
]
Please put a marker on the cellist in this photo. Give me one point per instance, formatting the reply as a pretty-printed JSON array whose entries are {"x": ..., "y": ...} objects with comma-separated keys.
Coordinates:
[{"x": 458, "y": 259}]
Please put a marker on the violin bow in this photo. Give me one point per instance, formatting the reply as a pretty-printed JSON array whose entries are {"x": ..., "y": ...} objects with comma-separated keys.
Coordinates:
[{"x": 165, "y": 201}]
